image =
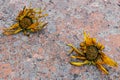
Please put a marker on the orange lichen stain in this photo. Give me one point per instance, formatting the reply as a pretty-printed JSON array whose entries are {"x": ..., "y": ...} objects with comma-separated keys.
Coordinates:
[
  {"x": 40, "y": 50},
  {"x": 5, "y": 70}
]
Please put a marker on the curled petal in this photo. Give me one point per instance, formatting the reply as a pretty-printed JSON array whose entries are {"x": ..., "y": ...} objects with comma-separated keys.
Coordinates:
[
  {"x": 70, "y": 51},
  {"x": 78, "y": 57},
  {"x": 82, "y": 44},
  {"x": 14, "y": 26},
  {"x": 107, "y": 60},
  {"x": 17, "y": 31},
  {"x": 100, "y": 46},
  {"x": 12, "y": 30},
  {"x": 101, "y": 68},
  {"x": 34, "y": 25},
  {"x": 42, "y": 25},
  {"x": 75, "y": 49},
  {"x": 94, "y": 40},
  {"x": 86, "y": 36},
  {"x": 88, "y": 40},
  {"x": 79, "y": 63}
]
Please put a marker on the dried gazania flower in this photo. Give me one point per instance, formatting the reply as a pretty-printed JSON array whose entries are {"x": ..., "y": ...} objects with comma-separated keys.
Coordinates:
[
  {"x": 28, "y": 20},
  {"x": 91, "y": 53}
]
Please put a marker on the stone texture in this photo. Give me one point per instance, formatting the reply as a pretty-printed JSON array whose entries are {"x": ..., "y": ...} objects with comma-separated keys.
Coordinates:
[{"x": 44, "y": 55}]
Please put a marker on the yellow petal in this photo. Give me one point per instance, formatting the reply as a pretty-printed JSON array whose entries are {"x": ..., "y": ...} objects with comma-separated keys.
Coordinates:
[
  {"x": 84, "y": 47},
  {"x": 87, "y": 39},
  {"x": 78, "y": 57},
  {"x": 85, "y": 36},
  {"x": 102, "y": 68},
  {"x": 99, "y": 60},
  {"x": 40, "y": 16},
  {"x": 17, "y": 31},
  {"x": 75, "y": 49},
  {"x": 7, "y": 33},
  {"x": 25, "y": 12},
  {"x": 82, "y": 44},
  {"x": 42, "y": 25},
  {"x": 73, "y": 56},
  {"x": 100, "y": 46},
  {"x": 12, "y": 30},
  {"x": 94, "y": 40},
  {"x": 14, "y": 26},
  {"x": 79, "y": 63},
  {"x": 33, "y": 25},
  {"x": 70, "y": 51},
  {"x": 107, "y": 60}
]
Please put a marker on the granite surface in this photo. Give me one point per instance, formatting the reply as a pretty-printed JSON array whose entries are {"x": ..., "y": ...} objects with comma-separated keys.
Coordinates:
[{"x": 44, "y": 55}]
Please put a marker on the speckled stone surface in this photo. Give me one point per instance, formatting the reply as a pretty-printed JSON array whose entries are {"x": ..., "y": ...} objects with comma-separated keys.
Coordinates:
[{"x": 44, "y": 55}]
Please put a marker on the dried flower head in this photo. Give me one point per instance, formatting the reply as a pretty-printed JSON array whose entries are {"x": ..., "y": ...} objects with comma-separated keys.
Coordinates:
[
  {"x": 91, "y": 53},
  {"x": 27, "y": 22}
]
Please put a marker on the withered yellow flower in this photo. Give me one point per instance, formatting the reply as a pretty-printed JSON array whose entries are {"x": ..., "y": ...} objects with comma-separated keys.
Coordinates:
[
  {"x": 90, "y": 52},
  {"x": 28, "y": 20}
]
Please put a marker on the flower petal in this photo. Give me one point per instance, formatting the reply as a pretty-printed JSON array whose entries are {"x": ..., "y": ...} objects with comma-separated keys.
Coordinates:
[
  {"x": 100, "y": 46},
  {"x": 78, "y": 57},
  {"x": 12, "y": 30},
  {"x": 107, "y": 60},
  {"x": 82, "y": 44},
  {"x": 101, "y": 68},
  {"x": 94, "y": 40},
  {"x": 79, "y": 63},
  {"x": 33, "y": 26},
  {"x": 75, "y": 49},
  {"x": 88, "y": 40}
]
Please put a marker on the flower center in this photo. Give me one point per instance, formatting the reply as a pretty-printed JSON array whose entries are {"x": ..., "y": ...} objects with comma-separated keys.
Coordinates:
[
  {"x": 91, "y": 53},
  {"x": 25, "y": 22}
]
